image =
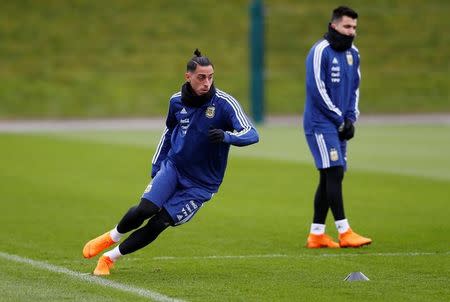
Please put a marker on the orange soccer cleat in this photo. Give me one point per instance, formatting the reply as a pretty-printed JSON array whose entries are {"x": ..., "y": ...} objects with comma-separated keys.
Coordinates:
[
  {"x": 96, "y": 245},
  {"x": 103, "y": 265},
  {"x": 319, "y": 241},
  {"x": 351, "y": 239}
]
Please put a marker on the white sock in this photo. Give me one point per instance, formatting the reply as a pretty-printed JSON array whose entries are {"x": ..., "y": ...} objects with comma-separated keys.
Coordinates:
[
  {"x": 317, "y": 229},
  {"x": 342, "y": 225},
  {"x": 115, "y": 235},
  {"x": 114, "y": 254}
]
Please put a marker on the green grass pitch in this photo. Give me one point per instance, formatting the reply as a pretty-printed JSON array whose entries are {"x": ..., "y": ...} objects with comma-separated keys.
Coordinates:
[{"x": 59, "y": 190}]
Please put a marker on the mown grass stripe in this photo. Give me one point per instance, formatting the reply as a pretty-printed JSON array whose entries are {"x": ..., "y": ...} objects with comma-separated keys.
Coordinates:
[{"x": 155, "y": 296}]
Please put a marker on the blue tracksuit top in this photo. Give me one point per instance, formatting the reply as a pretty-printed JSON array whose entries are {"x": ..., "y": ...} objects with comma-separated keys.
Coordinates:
[
  {"x": 186, "y": 144},
  {"x": 332, "y": 88}
]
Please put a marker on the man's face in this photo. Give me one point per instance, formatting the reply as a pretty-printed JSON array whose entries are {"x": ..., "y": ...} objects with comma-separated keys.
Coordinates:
[
  {"x": 201, "y": 79},
  {"x": 345, "y": 26}
]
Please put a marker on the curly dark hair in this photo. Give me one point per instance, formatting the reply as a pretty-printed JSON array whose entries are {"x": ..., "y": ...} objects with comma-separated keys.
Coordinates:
[{"x": 341, "y": 11}]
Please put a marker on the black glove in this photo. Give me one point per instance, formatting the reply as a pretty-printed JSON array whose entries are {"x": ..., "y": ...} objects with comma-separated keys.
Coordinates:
[
  {"x": 216, "y": 136},
  {"x": 348, "y": 131}
]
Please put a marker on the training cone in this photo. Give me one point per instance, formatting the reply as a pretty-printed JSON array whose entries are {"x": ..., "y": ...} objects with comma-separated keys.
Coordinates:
[{"x": 356, "y": 276}]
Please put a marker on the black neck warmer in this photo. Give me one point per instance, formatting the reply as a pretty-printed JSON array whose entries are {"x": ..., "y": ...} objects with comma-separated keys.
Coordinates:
[
  {"x": 338, "y": 41},
  {"x": 191, "y": 99}
]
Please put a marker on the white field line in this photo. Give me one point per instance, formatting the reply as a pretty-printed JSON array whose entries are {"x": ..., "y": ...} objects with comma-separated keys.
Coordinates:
[
  {"x": 300, "y": 256},
  {"x": 90, "y": 279}
]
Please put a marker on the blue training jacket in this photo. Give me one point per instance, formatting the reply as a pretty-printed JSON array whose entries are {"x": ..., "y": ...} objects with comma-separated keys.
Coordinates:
[
  {"x": 186, "y": 144},
  {"x": 332, "y": 88}
]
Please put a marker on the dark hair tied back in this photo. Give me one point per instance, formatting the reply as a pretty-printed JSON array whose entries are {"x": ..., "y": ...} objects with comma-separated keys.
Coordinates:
[{"x": 197, "y": 59}]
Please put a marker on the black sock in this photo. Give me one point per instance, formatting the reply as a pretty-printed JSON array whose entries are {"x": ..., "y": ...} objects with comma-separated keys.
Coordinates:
[
  {"x": 335, "y": 176},
  {"x": 136, "y": 216},
  {"x": 329, "y": 195},
  {"x": 320, "y": 200},
  {"x": 145, "y": 235}
]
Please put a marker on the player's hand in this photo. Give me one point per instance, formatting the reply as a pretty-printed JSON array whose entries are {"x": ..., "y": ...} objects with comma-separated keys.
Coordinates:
[
  {"x": 348, "y": 131},
  {"x": 216, "y": 136}
]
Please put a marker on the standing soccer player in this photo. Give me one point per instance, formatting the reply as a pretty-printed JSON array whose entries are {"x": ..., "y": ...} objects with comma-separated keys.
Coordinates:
[
  {"x": 331, "y": 109},
  {"x": 188, "y": 166}
]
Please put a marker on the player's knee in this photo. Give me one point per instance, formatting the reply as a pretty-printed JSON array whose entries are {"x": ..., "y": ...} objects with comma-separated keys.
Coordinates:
[
  {"x": 159, "y": 222},
  {"x": 164, "y": 218},
  {"x": 146, "y": 208}
]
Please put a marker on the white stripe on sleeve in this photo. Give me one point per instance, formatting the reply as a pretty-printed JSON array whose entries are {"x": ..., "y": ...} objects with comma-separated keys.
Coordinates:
[
  {"x": 240, "y": 115},
  {"x": 320, "y": 84},
  {"x": 357, "y": 96},
  {"x": 236, "y": 108},
  {"x": 176, "y": 94},
  {"x": 357, "y": 90}
]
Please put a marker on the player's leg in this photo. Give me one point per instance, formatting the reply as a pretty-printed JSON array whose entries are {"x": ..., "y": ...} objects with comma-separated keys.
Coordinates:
[
  {"x": 320, "y": 200},
  {"x": 317, "y": 237},
  {"x": 146, "y": 234},
  {"x": 179, "y": 209},
  {"x": 347, "y": 238},
  {"x": 137, "y": 240},
  {"x": 160, "y": 189},
  {"x": 335, "y": 177},
  {"x": 130, "y": 221},
  {"x": 136, "y": 216}
]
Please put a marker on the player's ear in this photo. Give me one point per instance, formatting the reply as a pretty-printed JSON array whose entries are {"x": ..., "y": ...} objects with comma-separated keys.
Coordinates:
[{"x": 187, "y": 76}]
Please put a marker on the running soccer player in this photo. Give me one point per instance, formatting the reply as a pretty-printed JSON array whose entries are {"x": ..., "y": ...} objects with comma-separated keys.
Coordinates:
[
  {"x": 331, "y": 109},
  {"x": 188, "y": 166}
]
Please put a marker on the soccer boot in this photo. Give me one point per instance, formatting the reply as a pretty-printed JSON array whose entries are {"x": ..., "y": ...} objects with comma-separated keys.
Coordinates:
[
  {"x": 96, "y": 245},
  {"x": 104, "y": 264},
  {"x": 319, "y": 241},
  {"x": 351, "y": 239}
]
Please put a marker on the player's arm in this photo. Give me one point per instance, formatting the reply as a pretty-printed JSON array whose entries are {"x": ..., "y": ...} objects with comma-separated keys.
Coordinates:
[
  {"x": 352, "y": 112},
  {"x": 164, "y": 143},
  {"x": 244, "y": 133},
  {"x": 319, "y": 73}
]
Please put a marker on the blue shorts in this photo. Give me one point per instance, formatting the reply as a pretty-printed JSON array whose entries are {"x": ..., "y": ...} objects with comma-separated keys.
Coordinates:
[
  {"x": 327, "y": 150},
  {"x": 176, "y": 194}
]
